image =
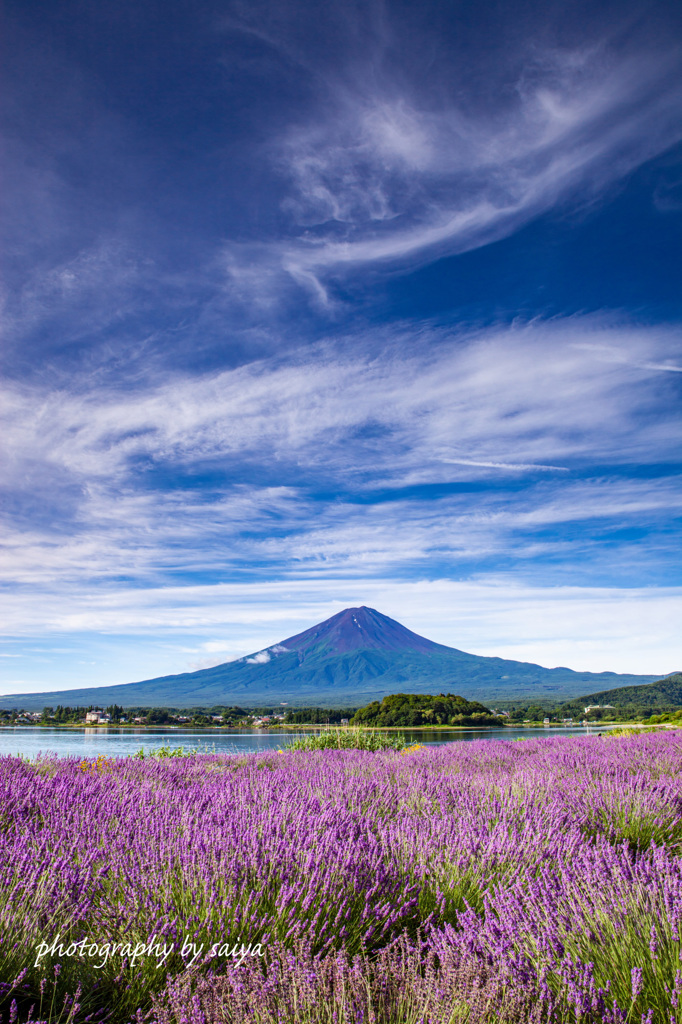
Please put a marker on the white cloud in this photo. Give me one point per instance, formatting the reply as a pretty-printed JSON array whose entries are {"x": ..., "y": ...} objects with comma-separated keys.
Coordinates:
[
  {"x": 538, "y": 389},
  {"x": 262, "y": 658},
  {"x": 379, "y": 177},
  {"x": 96, "y": 485},
  {"x": 506, "y": 465}
]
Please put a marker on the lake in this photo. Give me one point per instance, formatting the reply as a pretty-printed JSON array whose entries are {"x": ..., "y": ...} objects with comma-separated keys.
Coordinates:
[{"x": 114, "y": 742}]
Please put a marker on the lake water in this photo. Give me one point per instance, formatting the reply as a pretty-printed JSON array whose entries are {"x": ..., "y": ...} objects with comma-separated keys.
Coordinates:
[{"x": 114, "y": 742}]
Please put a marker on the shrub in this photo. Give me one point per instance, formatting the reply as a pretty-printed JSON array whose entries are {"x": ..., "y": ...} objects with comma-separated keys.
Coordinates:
[{"x": 349, "y": 739}]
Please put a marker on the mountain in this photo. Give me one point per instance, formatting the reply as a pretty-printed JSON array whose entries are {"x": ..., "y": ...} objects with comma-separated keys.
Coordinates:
[
  {"x": 356, "y": 656},
  {"x": 663, "y": 695}
]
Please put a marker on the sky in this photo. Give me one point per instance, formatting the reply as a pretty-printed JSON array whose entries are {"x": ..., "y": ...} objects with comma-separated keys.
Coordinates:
[{"x": 310, "y": 306}]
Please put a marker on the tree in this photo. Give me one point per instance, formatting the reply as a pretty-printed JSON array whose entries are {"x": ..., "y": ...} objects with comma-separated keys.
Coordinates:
[{"x": 418, "y": 710}]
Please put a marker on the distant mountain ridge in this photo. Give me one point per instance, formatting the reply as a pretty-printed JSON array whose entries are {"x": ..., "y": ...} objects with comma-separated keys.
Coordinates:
[{"x": 354, "y": 657}]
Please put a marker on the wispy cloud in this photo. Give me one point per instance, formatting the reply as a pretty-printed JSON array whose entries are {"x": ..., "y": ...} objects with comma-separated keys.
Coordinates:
[
  {"x": 382, "y": 177},
  {"x": 503, "y": 396},
  {"x": 513, "y": 466},
  {"x": 382, "y": 159},
  {"x": 350, "y": 462}
]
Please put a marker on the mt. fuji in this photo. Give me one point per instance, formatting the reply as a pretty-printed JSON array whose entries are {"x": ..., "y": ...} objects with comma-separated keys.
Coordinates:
[{"x": 352, "y": 658}]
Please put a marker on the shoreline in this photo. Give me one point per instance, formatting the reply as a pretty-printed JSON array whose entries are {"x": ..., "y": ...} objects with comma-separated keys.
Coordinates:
[{"x": 137, "y": 728}]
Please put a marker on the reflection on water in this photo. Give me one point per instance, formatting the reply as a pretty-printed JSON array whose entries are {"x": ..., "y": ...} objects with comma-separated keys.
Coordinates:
[{"x": 86, "y": 742}]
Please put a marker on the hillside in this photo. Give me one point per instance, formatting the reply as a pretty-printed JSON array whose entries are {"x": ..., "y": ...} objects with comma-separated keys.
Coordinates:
[
  {"x": 664, "y": 694},
  {"x": 352, "y": 658},
  {"x": 414, "y": 710}
]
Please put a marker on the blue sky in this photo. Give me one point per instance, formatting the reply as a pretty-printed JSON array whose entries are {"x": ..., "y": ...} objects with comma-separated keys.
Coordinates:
[{"x": 368, "y": 303}]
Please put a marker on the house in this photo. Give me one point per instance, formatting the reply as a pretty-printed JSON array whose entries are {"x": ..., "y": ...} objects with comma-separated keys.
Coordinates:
[
  {"x": 97, "y": 717},
  {"x": 598, "y": 707},
  {"x": 344, "y": 721}
]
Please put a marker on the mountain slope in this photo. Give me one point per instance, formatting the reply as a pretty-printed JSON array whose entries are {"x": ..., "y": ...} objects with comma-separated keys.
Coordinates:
[
  {"x": 664, "y": 693},
  {"x": 352, "y": 658},
  {"x": 359, "y": 629}
]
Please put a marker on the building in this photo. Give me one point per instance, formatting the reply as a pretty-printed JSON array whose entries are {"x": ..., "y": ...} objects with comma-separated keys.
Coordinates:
[
  {"x": 97, "y": 717},
  {"x": 599, "y": 707}
]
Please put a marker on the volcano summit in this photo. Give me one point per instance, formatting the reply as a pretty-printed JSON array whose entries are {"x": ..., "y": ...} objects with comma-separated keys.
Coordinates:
[{"x": 352, "y": 658}]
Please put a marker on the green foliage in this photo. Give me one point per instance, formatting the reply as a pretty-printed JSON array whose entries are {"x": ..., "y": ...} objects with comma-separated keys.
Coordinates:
[
  {"x": 624, "y": 730},
  {"x": 672, "y": 717},
  {"x": 413, "y": 709},
  {"x": 167, "y": 751},
  {"x": 536, "y": 712},
  {"x": 199, "y": 716},
  {"x": 317, "y": 716},
  {"x": 158, "y": 716},
  {"x": 626, "y": 713},
  {"x": 663, "y": 696},
  {"x": 62, "y": 715},
  {"x": 349, "y": 739}
]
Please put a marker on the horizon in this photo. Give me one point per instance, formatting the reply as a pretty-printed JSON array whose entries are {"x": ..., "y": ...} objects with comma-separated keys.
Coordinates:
[{"x": 379, "y": 308}]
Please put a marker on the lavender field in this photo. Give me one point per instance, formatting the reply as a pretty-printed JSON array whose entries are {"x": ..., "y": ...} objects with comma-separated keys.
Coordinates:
[{"x": 484, "y": 882}]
